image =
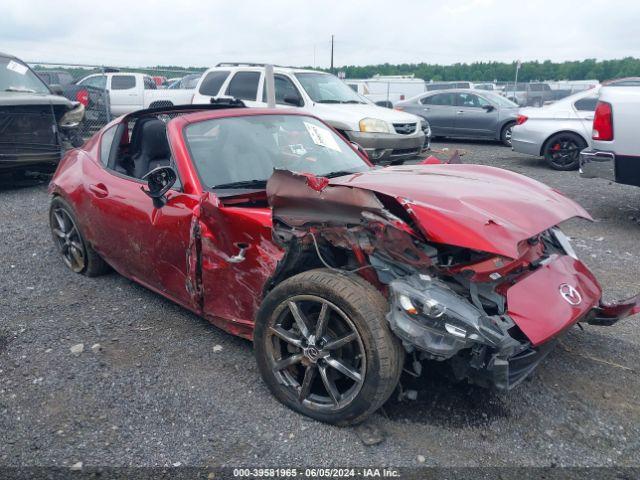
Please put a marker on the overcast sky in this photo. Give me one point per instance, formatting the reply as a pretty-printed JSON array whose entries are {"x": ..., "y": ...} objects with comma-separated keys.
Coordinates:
[{"x": 298, "y": 32}]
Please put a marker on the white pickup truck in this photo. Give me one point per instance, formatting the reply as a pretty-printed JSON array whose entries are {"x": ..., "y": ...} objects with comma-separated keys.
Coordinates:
[
  {"x": 615, "y": 149},
  {"x": 134, "y": 91}
]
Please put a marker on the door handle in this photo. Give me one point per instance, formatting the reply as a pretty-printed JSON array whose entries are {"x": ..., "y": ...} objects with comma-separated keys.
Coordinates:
[
  {"x": 99, "y": 190},
  {"x": 240, "y": 255},
  {"x": 460, "y": 112}
]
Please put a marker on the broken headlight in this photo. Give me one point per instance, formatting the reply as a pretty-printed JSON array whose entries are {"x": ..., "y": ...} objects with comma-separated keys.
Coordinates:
[
  {"x": 73, "y": 117},
  {"x": 427, "y": 314}
]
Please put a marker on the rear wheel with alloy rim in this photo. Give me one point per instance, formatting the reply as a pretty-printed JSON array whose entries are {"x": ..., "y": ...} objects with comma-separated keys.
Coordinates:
[
  {"x": 77, "y": 254},
  {"x": 324, "y": 349},
  {"x": 562, "y": 151}
]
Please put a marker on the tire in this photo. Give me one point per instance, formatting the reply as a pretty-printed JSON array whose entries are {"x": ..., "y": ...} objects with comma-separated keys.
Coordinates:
[
  {"x": 562, "y": 151},
  {"x": 373, "y": 356},
  {"x": 77, "y": 254},
  {"x": 505, "y": 134}
]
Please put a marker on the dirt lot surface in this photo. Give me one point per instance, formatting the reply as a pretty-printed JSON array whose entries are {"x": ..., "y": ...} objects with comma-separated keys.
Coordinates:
[{"x": 167, "y": 388}]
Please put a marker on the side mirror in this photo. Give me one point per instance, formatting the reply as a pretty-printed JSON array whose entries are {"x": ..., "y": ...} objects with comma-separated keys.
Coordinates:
[
  {"x": 489, "y": 108},
  {"x": 384, "y": 103},
  {"x": 361, "y": 150},
  {"x": 56, "y": 89},
  {"x": 293, "y": 100},
  {"x": 159, "y": 181}
]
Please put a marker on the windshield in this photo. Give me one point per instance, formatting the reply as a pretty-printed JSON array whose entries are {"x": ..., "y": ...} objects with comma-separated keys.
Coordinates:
[
  {"x": 500, "y": 100},
  {"x": 242, "y": 152},
  {"x": 325, "y": 88},
  {"x": 15, "y": 76}
]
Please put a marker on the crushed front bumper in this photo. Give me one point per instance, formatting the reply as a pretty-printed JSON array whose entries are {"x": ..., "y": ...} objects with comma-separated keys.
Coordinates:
[{"x": 500, "y": 351}]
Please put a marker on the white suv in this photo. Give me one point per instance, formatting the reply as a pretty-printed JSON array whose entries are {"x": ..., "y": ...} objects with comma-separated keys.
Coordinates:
[{"x": 386, "y": 135}]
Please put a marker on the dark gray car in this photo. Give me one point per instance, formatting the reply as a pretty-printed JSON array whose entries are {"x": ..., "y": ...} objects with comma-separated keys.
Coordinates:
[{"x": 465, "y": 113}]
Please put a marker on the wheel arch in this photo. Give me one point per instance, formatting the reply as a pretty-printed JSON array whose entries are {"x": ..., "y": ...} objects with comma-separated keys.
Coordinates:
[
  {"x": 502, "y": 125},
  {"x": 565, "y": 130}
]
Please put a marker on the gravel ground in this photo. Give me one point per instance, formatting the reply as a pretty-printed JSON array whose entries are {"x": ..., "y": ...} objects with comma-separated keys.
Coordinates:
[{"x": 167, "y": 388}]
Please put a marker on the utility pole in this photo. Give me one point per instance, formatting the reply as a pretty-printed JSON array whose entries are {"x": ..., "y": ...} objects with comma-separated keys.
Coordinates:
[
  {"x": 331, "y": 54},
  {"x": 515, "y": 85}
]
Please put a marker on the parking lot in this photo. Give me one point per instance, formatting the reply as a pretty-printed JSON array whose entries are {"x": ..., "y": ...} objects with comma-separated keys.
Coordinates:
[{"x": 163, "y": 387}]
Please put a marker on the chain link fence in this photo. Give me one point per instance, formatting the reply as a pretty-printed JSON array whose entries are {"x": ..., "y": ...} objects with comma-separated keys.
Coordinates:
[{"x": 107, "y": 92}]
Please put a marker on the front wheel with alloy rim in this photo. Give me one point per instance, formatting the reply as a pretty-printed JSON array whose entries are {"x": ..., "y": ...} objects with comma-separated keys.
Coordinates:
[
  {"x": 562, "y": 151},
  {"x": 505, "y": 134},
  {"x": 324, "y": 348},
  {"x": 77, "y": 254}
]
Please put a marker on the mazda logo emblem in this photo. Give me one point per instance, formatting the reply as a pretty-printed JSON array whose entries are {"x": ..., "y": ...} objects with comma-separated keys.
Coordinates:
[{"x": 570, "y": 294}]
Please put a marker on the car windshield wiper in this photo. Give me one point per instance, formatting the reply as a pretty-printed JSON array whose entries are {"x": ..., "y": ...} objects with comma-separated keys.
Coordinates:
[
  {"x": 328, "y": 101},
  {"x": 20, "y": 90},
  {"x": 351, "y": 101},
  {"x": 243, "y": 184},
  {"x": 339, "y": 173}
]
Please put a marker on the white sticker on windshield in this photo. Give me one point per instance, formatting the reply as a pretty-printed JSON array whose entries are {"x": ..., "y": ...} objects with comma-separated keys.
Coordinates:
[
  {"x": 322, "y": 136},
  {"x": 16, "y": 67}
]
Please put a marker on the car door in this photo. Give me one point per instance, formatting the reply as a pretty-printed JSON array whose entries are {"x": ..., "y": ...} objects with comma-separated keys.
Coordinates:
[
  {"x": 475, "y": 116},
  {"x": 238, "y": 257},
  {"x": 287, "y": 94},
  {"x": 126, "y": 93},
  {"x": 439, "y": 110},
  {"x": 140, "y": 241},
  {"x": 585, "y": 109}
]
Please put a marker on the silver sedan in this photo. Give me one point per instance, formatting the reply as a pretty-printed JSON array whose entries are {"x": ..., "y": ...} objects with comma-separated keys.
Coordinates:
[
  {"x": 464, "y": 113},
  {"x": 557, "y": 132}
]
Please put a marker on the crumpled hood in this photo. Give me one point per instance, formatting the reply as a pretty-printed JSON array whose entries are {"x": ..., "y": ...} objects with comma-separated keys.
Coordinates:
[{"x": 473, "y": 206}]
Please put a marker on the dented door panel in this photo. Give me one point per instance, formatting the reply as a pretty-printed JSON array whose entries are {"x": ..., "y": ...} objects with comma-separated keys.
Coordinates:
[{"x": 232, "y": 287}]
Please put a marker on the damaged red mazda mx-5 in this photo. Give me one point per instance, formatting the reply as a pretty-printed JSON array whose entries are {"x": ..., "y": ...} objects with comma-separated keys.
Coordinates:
[{"x": 334, "y": 272}]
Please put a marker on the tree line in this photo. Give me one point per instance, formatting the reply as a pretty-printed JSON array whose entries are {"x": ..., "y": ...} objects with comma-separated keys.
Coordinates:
[{"x": 589, "y": 69}]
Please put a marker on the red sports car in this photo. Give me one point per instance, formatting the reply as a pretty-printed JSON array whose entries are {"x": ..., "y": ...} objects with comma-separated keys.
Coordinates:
[{"x": 273, "y": 227}]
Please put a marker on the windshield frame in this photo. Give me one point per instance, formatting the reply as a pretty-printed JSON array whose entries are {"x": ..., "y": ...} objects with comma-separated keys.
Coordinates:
[
  {"x": 222, "y": 192},
  {"x": 354, "y": 97},
  {"x": 29, "y": 73}
]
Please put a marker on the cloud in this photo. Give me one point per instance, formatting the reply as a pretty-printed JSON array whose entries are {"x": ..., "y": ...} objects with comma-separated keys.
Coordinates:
[{"x": 201, "y": 33}]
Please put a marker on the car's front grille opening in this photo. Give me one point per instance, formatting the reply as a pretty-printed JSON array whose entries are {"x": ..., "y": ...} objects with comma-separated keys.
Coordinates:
[{"x": 405, "y": 128}]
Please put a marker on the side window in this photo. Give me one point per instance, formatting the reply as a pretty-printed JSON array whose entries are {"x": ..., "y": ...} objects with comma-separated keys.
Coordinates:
[
  {"x": 587, "y": 104},
  {"x": 149, "y": 84},
  {"x": 99, "y": 81},
  {"x": 46, "y": 77},
  {"x": 66, "y": 78},
  {"x": 483, "y": 102},
  {"x": 440, "y": 99},
  {"x": 105, "y": 144},
  {"x": 123, "y": 82},
  {"x": 212, "y": 82},
  {"x": 468, "y": 100},
  {"x": 284, "y": 89},
  {"x": 244, "y": 85}
]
